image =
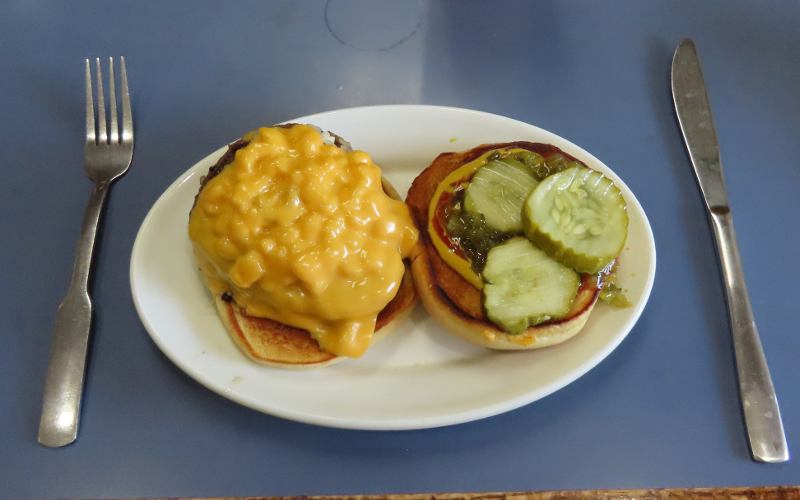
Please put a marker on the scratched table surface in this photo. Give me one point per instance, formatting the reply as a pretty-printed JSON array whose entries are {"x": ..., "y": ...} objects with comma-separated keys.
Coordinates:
[{"x": 661, "y": 411}]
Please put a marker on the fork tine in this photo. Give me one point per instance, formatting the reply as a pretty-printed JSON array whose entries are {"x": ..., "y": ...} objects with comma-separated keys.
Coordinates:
[
  {"x": 112, "y": 104},
  {"x": 102, "y": 134},
  {"x": 127, "y": 116},
  {"x": 90, "y": 132}
]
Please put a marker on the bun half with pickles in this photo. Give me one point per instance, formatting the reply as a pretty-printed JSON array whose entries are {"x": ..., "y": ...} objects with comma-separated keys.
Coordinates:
[
  {"x": 519, "y": 240},
  {"x": 303, "y": 246}
]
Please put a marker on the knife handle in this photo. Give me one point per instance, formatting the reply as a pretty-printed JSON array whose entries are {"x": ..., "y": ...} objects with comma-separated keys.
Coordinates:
[{"x": 759, "y": 403}]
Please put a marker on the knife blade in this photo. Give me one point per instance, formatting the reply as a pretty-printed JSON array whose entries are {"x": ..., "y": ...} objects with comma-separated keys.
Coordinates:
[{"x": 759, "y": 401}]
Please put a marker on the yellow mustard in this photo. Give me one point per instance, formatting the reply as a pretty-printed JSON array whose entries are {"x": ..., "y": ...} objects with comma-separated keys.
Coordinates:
[
  {"x": 301, "y": 232},
  {"x": 456, "y": 179}
]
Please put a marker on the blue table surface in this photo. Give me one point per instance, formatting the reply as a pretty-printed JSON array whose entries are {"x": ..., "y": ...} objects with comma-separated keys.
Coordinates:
[{"x": 662, "y": 410}]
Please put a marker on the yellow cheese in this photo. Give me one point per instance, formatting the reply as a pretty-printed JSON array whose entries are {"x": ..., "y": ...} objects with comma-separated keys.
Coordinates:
[
  {"x": 455, "y": 180},
  {"x": 301, "y": 232}
]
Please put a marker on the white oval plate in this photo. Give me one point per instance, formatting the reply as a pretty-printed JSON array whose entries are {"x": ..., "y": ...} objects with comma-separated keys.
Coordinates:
[{"x": 420, "y": 377}]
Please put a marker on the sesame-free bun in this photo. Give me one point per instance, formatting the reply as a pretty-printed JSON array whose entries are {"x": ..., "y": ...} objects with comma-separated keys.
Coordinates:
[
  {"x": 455, "y": 302},
  {"x": 272, "y": 343},
  {"x": 275, "y": 344}
]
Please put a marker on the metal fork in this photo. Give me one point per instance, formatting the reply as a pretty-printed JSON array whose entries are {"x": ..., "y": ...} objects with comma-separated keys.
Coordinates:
[{"x": 108, "y": 155}]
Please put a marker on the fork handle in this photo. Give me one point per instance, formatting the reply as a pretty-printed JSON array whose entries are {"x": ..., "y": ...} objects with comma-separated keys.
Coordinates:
[
  {"x": 81, "y": 268},
  {"x": 759, "y": 402},
  {"x": 65, "y": 373}
]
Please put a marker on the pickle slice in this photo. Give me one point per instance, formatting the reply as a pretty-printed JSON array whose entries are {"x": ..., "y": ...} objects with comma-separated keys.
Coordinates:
[
  {"x": 579, "y": 217},
  {"x": 497, "y": 191},
  {"x": 524, "y": 286}
]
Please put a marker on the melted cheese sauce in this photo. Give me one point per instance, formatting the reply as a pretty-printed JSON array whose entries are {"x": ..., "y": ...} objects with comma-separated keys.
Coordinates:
[{"x": 301, "y": 232}]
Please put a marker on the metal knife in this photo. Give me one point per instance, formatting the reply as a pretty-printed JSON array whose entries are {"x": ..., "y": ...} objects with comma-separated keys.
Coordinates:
[{"x": 759, "y": 403}]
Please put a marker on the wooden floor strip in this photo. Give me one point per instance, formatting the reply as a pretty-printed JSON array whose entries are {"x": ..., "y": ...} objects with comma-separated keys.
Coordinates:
[{"x": 742, "y": 493}]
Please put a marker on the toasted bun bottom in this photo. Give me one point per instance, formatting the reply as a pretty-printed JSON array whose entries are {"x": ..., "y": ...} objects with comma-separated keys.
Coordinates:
[
  {"x": 275, "y": 344},
  {"x": 486, "y": 334},
  {"x": 452, "y": 300}
]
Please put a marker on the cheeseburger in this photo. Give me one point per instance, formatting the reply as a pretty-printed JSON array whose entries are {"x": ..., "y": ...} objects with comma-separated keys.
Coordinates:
[{"x": 303, "y": 247}]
